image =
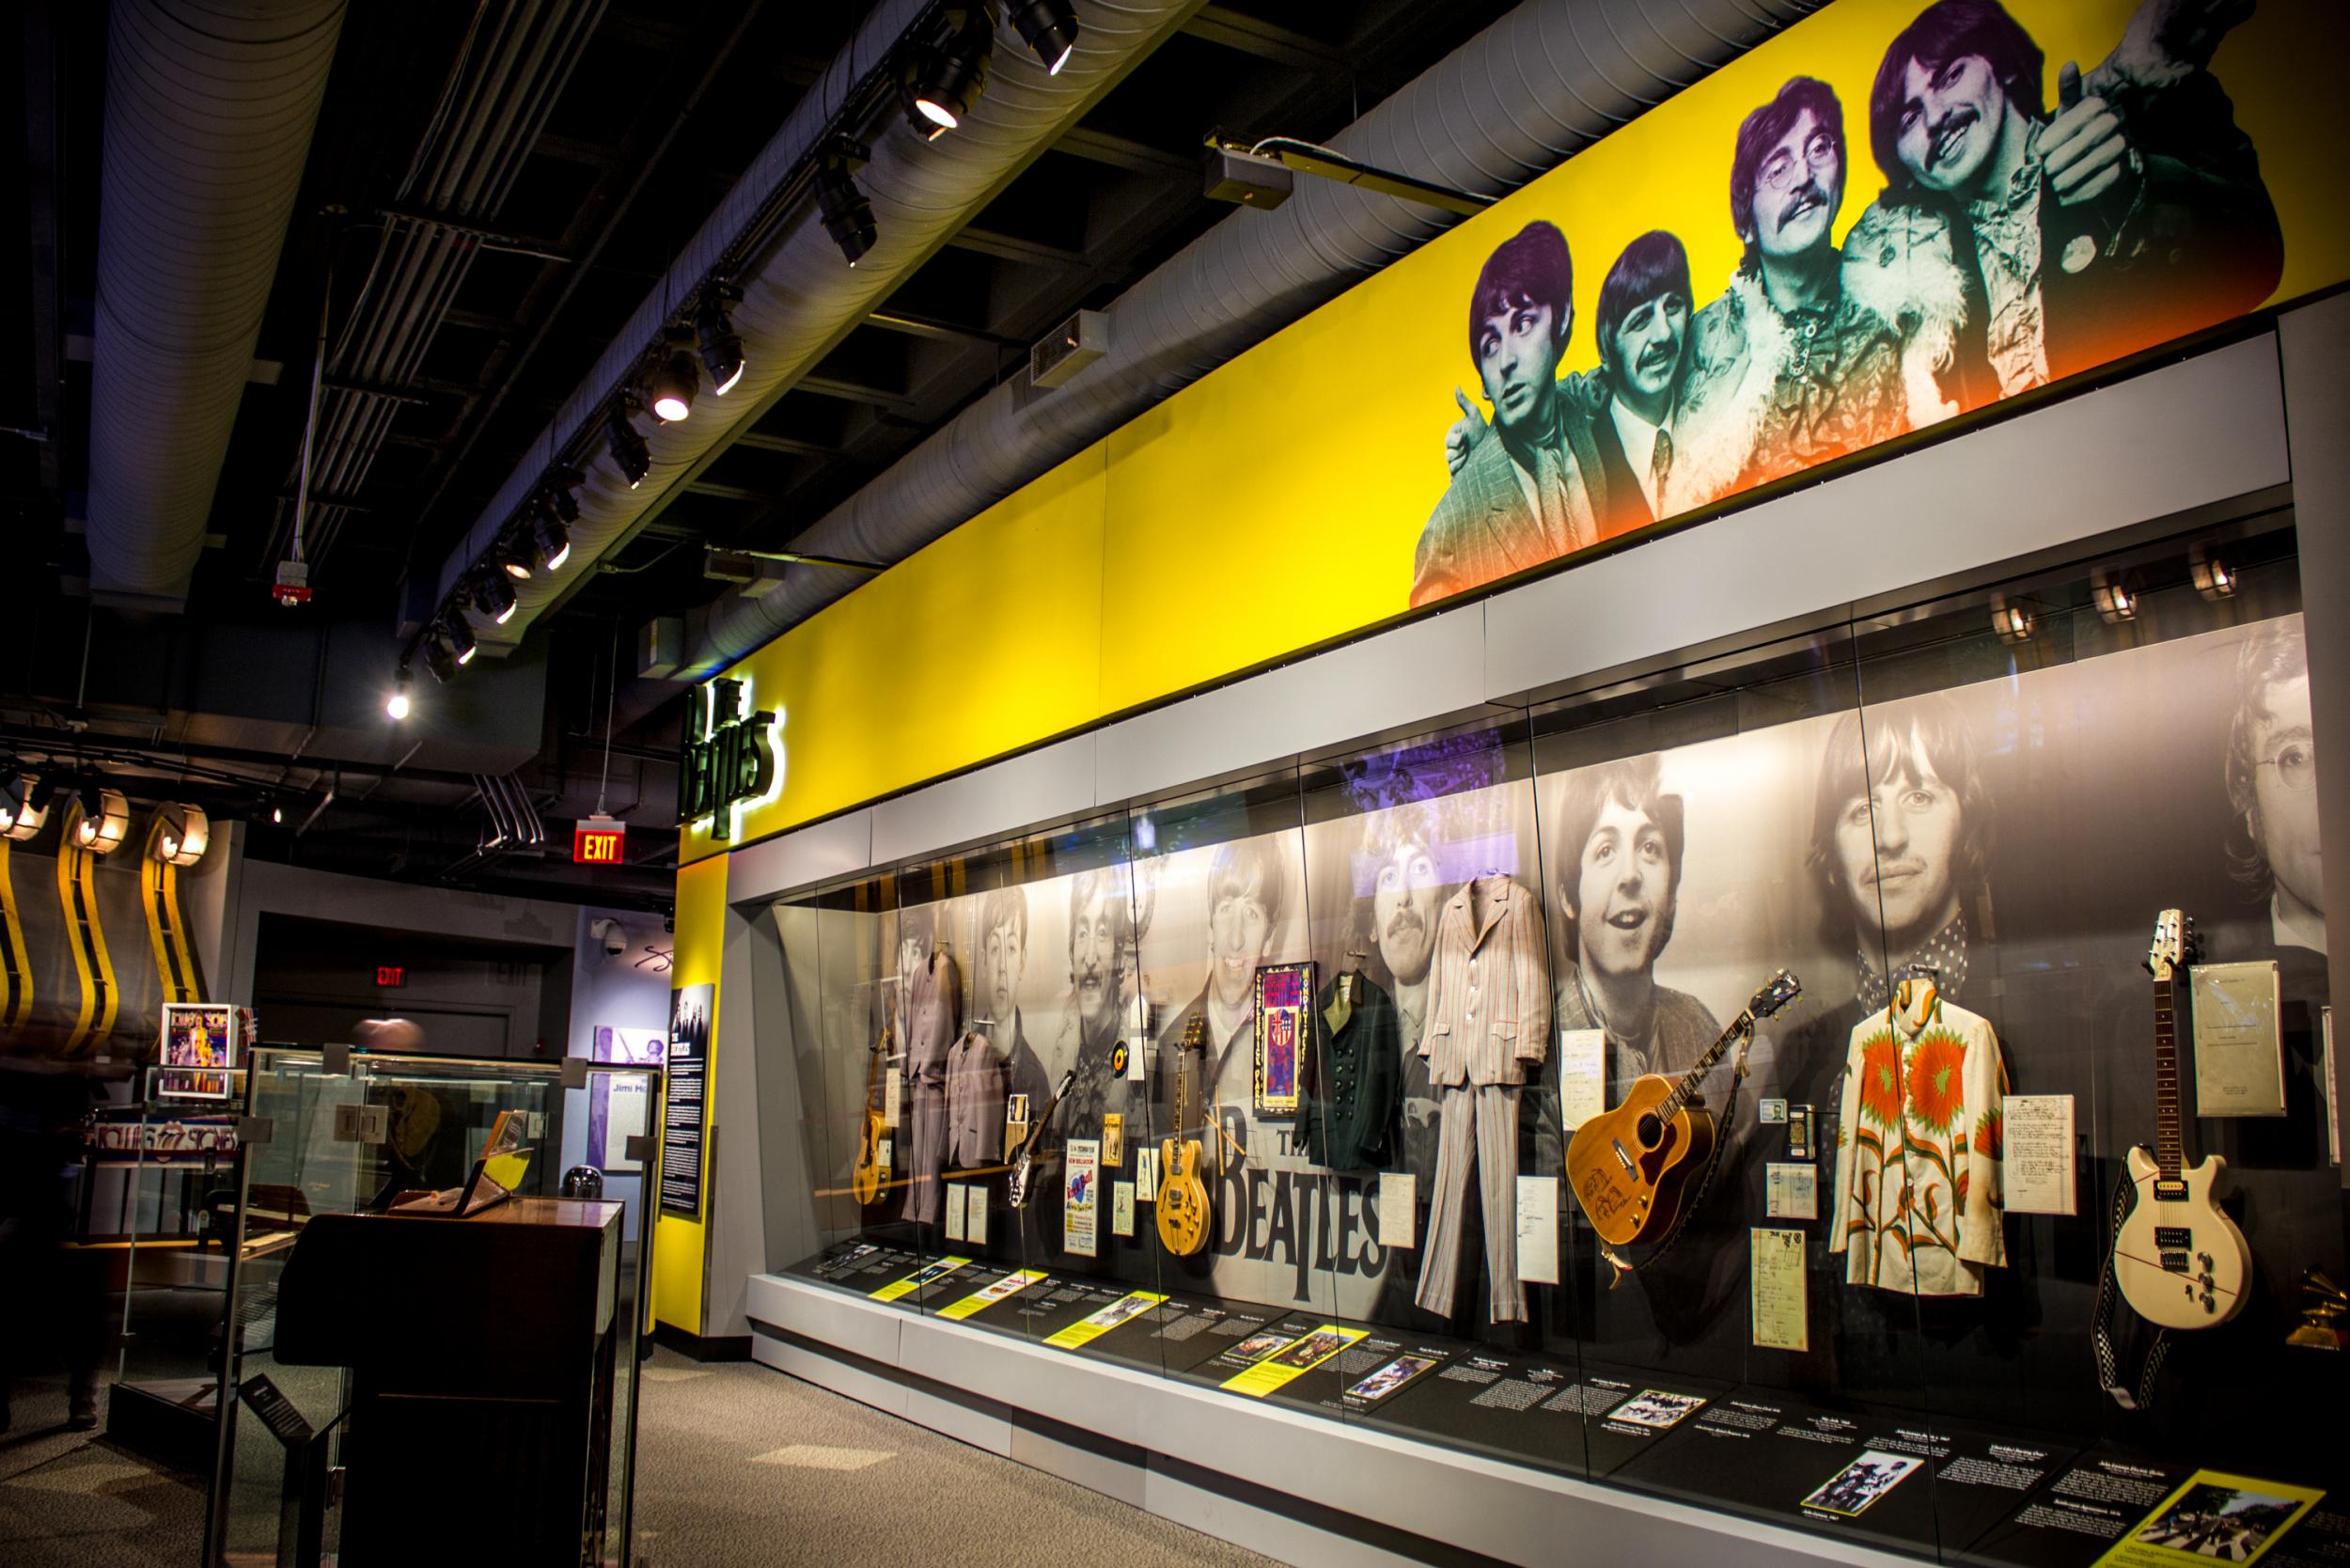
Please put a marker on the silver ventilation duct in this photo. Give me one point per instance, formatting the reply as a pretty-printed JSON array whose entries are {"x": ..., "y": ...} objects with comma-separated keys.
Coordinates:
[
  {"x": 210, "y": 108},
  {"x": 1532, "y": 90},
  {"x": 801, "y": 299}
]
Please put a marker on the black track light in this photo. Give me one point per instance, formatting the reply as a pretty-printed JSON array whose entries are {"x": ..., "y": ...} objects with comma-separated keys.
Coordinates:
[
  {"x": 511, "y": 557},
  {"x": 438, "y": 656},
  {"x": 1047, "y": 27},
  {"x": 458, "y": 632},
  {"x": 551, "y": 533},
  {"x": 630, "y": 454},
  {"x": 673, "y": 381},
  {"x": 847, "y": 216},
  {"x": 562, "y": 489},
  {"x": 721, "y": 345},
  {"x": 942, "y": 78},
  {"x": 494, "y": 597}
]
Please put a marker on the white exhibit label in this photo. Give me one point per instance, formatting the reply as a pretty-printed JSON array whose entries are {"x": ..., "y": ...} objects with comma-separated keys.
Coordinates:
[
  {"x": 1582, "y": 1075},
  {"x": 1538, "y": 1230}
]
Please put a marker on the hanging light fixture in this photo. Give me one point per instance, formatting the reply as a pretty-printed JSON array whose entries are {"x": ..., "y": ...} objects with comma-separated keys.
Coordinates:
[
  {"x": 511, "y": 557},
  {"x": 2114, "y": 601},
  {"x": 673, "y": 380},
  {"x": 24, "y": 806},
  {"x": 2013, "y": 622},
  {"x": 1047, "y": 27},
  {"x": 721, "y": 345},
  {"x": 942, "y": 78},
  {"x": 396, "y": 706},
  {"x": 494, "y": 596},
  {"x": 630, "y": 454},
  {"x": 105, "y": 820},
  {"x": 2213, "y": 577},
  {"x": 551, "y": 533},
  {"x": 187, "y": 832},
  {"x": 847, "y": 216}
]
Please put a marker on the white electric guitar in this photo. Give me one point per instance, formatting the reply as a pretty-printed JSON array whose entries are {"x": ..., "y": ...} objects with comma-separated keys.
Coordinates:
[{"x": 2180, "y": 1260}]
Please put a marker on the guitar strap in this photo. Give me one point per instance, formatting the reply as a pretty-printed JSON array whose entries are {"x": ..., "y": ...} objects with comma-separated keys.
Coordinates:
[
  {"x": 1705, "y": 1178},
  {"x": 2101, "y": 1334}
]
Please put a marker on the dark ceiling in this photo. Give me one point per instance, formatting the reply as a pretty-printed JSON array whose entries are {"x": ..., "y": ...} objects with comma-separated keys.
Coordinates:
[{"x": 665, "y": 106}]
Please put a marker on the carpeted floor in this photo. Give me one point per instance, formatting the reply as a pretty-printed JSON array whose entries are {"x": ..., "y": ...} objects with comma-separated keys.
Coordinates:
[{"x": 736, "y": 1463}]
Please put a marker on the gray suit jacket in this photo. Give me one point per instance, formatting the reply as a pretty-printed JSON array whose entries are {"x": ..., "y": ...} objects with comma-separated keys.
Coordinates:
[{"x": 1483, "y": 529}]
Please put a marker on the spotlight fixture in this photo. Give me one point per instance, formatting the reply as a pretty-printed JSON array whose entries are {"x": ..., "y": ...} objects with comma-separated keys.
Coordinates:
[
  {"x": 439, "y": 658},
  {"x": 278, "y": 816},
  {"x": 2013, "y": 622},
  {"x": 106, "y": 820},
  {"x": 942, "y": 78},
  {"x": 847, "y": 216},
  {"x": 630, "y": 454},
  {"x": 492, "y": 596},
  {"x": 511, "y": 558},
  {"x": 1047, "y": 27},
  {"x": 2214, "y": 579},
  {"x": 454, "y": 634},
  {"x": 396, "y": 706},
  {"x": 187, "y": 832},
  {"x": 2115, "y": 603},
  {"x": 552, "y": 534},
  {"x": 562, "y": 489},
  {"x": 24, "y": 806},
  {"x": 721, "y": 345},
  {"x": 672, "y": 383}
]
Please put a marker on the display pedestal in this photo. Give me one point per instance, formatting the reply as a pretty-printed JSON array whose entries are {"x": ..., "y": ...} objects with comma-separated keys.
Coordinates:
[{"x": 1282, "y": 1481}]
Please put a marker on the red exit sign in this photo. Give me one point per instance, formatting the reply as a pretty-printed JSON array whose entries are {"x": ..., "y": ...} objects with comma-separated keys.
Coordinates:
[
  {"x": 599, "y": 842},
  {"x": 391, "y": 974}
]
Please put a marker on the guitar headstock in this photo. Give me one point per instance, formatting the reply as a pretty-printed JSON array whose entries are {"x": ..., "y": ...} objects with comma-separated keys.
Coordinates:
[
  {"x": 2174, "y": 945},
  {"x": 1196, "y": 1033},
  {"x": 1776, "y": 993}
]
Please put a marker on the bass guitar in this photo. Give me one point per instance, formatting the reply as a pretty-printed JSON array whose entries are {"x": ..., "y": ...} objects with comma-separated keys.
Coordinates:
[
  {"x": 865, "y": 1181},
  {"x": 1024, "y": 1163},
  {"x": 1629, "y": 1166},
  {"x": 1183, "y": 1202},
  {"x": 2180, "y": 1260}
]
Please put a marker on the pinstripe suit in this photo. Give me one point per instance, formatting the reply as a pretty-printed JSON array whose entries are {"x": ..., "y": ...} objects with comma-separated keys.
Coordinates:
[{"x": 1488, "y": 1025}]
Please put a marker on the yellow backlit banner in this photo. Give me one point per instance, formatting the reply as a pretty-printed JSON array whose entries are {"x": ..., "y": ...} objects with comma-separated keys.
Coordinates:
[{"x": 1886, "y": 219}]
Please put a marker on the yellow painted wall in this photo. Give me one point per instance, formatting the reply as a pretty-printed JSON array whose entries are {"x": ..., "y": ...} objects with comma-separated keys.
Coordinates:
[
  {"x": 677, "y": 1243},
  {"x": 1275, "y": 504}
]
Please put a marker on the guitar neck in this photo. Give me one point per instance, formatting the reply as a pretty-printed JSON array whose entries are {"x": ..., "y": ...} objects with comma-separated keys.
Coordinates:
[
  {"x": 1690, "y": 1080},
  {"x": 2170, "y": 1155}
]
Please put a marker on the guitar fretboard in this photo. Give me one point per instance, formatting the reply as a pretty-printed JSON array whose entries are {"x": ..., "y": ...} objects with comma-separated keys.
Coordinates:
[
  {"x": 1696, "y": 1075},
  {"x": 2169, "y": 1156}
]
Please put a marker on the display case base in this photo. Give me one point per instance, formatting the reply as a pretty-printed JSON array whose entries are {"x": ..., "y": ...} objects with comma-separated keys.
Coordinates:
[{"x": 1278, "y": 1480}]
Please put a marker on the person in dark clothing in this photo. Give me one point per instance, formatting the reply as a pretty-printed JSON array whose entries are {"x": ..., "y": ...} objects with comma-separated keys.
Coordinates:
[{"x": 47, "y": 1292}]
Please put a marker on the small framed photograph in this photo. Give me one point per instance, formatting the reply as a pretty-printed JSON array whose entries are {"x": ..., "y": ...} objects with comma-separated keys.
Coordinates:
[{"x": 200, "y": 1046}]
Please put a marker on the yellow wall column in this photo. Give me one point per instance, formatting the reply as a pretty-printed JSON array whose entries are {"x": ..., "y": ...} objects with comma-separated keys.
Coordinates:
[{"x": 679, "y": 1242}]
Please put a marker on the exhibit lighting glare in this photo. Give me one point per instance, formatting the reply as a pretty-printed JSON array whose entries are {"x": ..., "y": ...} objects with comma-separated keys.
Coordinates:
[
  {"x": 721, "y": 345},
  {"x": 2212, "y": 579},
  {"x": 847, "y": 216},
  {"x": 2114, "y": 601},
  {"x": 511, "y": 558},
  {"x": 396, "y": 706},
  {"x": 105, "y": 821},
  {"x": 460, "y": 638},
  {"x": 23, "y": 806},
  {"x": 674, "y": 380},
  {"x": 1049, "y": 27},
  {"x": 630, "y": 454},
  {"x": 277, "y": 815},
  {"x": 553, "y": 536},
  {"x": 187, "y": 832},
  {"x": 943, "y": 79},
  {"x": 2011, "y": 623}
]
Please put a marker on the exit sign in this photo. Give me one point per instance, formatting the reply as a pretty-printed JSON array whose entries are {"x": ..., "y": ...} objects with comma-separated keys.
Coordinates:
[
  {"x": 391, "y": 974},
  {"x": 598, "y": 841}
]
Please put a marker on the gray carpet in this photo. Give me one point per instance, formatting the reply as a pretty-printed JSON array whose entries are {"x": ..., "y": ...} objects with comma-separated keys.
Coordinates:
[
  {"x": 737, "y": 1464},
  {"x": 71, "y": 1499}
]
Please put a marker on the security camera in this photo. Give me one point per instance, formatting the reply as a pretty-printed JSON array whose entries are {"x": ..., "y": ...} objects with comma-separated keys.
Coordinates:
[{"x": 608, "y": 931}]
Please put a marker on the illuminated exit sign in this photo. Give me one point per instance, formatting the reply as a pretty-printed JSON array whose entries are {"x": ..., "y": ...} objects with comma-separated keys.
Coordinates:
[
  {"x": 391, "y": 974},
  {"x": 598, "y": 841}
]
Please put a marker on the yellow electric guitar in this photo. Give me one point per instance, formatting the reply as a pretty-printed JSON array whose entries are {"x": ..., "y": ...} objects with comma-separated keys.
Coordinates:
[
  {"x": 1630, "y": 1168},
  {"x": 1183, "y": 1201},
  {"x": 865, "y": 1180}
]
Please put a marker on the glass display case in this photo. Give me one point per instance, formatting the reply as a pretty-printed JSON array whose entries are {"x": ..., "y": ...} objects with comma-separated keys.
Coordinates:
[
  {"x": 352, "y": 1134},
  {"x": 1448, "y": 1084}
]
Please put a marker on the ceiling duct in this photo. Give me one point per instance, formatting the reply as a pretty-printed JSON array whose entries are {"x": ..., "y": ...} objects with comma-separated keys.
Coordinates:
[
  {"x": 1537, "y": 86},
  {"x": 799, "y": 299},
  {"x": 210, "y": 108}
]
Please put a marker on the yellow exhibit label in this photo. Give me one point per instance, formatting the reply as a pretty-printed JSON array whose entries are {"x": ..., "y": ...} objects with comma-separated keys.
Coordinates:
[
  {"x": 1092, "y": 1327},
  {"x": 979, "y": 1300},
  {"x": 2212, "y": 1517},
  {"x": 1293, "y": 1360},
  {"x": 919, "y": 1277}
]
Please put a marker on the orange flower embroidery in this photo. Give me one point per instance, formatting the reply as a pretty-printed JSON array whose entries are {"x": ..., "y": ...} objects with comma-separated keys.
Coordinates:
[
  {"x": 1991, "y": 1135},
  {"x": 1881, "y": 1082},
  {"x": 1937, "y": 1091}
]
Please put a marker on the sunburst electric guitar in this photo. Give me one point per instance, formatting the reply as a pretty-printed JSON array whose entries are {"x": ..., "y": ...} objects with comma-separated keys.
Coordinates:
[
  {"x": 864, "y": 1182},
  {"x": 2179, "y": 1259},
  {"x": 1630, "y": 1168},
  {"x": 1183, "y": 1201}
]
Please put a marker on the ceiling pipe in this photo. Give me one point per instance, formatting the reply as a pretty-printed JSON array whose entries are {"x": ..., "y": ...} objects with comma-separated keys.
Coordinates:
[
  {"x": 1532, "y": 90},
  {"x": 210, "y": 109},
  {"x": 800, "y": 298}
]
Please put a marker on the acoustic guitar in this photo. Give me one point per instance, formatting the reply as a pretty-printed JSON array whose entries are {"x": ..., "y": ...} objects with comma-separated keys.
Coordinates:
[
  {"x": 1629, "y": 1166},
  {"x": 1024, "y": 1163},
  {"x": 1183, "y": 1202},
  {"x": 865, "y": 1181},
  {"x": 2180, "y": 1260}
]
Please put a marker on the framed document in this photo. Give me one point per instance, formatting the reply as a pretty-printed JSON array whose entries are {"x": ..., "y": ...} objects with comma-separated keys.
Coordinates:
[
  {"x": 1285, "y": 992},
  {"x": 2239, "y": 1055}
]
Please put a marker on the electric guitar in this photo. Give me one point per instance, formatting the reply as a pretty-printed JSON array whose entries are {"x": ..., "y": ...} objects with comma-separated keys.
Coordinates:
[
  {"x": 1183, "y": 1202},
  {"x": 1629, "y": 1166},
  {"x": 1024, "y": 1163},
  {"x": 2179, "y": 1259},
  {"x": 865, "y": 1181}
]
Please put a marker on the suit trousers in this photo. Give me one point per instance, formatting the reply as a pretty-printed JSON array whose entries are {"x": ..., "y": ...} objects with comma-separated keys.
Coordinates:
[
  {"x": 927, "y": 1161},
  {"x": 1474, "y": 1123}
]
